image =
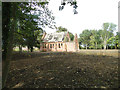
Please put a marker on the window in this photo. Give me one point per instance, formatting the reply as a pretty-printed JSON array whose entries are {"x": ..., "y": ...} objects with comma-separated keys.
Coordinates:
[
  {"x": 53, "y": 45},
  {"x": 50, "y": 45},
  {"x": 59, "y": 45},
  {"x": 45, "y": 45}
]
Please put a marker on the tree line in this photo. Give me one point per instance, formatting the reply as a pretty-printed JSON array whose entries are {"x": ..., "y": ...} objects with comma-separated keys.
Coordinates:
[{"x": 100, "y": 39}]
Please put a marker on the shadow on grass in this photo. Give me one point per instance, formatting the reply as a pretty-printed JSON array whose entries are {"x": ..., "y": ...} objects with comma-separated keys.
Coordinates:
[{"x": 62, "y": 69}]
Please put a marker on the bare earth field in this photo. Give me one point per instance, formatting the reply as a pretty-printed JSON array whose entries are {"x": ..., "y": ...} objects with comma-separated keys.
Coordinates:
[{"x": 83, "y": 69}]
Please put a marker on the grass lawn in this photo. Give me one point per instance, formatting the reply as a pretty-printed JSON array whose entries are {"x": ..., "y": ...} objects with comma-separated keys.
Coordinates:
[{"x": 63, "y": 70}]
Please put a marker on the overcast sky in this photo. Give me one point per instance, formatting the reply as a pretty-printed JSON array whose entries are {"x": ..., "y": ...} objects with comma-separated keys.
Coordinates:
[{"x": 91, "y": 15}]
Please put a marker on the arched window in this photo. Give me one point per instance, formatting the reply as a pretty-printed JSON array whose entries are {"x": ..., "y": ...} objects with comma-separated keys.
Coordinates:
[
  {"x": 45, "y": 45},
  {"x": 50, "y": 45},
  {"x": 53, "y": 45},
  {"x": 59, "y": 45}
]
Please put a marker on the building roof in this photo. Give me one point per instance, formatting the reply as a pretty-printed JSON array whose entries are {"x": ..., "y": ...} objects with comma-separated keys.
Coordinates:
[{"x": 54, "y": 37}]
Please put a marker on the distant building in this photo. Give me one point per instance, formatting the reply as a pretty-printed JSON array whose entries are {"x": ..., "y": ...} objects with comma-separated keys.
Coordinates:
[{"x": 59, "y": 42}]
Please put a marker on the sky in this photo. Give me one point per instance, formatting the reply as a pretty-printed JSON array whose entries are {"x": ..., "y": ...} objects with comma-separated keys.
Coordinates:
[{"x": 91, "y": 15}]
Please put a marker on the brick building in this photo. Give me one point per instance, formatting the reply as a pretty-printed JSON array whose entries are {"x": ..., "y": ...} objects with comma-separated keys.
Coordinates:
[{"x": 59, "y": 42}]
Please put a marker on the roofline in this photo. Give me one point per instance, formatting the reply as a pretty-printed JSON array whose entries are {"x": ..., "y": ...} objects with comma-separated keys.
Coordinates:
[{"x": 52, "y": 42}]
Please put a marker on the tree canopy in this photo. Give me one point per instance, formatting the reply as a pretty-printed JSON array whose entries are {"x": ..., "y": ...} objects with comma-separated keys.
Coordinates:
[
  {"x": 21, "y": 27},
  {"x": 61, "y": 29},
  {"x": 98, "y": 39}
]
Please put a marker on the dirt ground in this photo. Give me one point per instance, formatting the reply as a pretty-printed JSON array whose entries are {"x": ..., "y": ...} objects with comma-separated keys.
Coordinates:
[{"x": 63, "y": 70}]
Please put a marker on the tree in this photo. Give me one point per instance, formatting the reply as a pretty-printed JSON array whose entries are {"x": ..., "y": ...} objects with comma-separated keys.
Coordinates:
[
  {"x": 71, "y": 2},
  {"x": 95, "y": 39},
  {"x": 107, "y": 32},
  {"x": 111, "y": 42},
  {"x": 114, "y": 41},
  {"x": 11, "y": 13},
  {"x": 85, "y": 37},
  {"x": 117, "y": 41},
  {"x": 19, "y": 21},
  {"x": 29, "y": 23},
  {"x": 61, "y": 29},
  {"x": 10, "y": 27}
]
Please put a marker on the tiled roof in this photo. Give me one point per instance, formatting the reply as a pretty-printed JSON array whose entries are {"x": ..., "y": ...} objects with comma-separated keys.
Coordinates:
[{"x": 54, "y": 37}]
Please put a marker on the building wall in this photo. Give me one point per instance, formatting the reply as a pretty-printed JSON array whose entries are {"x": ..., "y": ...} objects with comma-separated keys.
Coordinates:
[
  {"x": 59, "y": 46},
  {"x": 70, "y": 46},
  {"x": 52, "y": 46}
]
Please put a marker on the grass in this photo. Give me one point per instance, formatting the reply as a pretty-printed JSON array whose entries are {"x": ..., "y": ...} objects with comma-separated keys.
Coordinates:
[{"x": 63, "y": 70}]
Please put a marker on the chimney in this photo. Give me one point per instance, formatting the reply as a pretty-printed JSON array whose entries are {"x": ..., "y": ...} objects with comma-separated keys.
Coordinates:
[
  {"x": 76, "y": 42},
  {"x": 68, "y": 36},
  {"x": 43, "y": 35},
  {"x": 75, "y": 38}
]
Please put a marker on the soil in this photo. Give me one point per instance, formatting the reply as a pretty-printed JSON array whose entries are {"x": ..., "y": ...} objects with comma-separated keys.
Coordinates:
[{"x": 62, "y": 70}]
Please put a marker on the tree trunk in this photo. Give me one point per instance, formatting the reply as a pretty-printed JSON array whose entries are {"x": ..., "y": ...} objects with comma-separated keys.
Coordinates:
[
  {"x": 107, "y": 46},
  {"x": 115, "y": 46},
  {"x": 6, "y": 62},
  {"x": 28, "y": 48},
  {"x": 31, "y": 49},
  {"x": 86, "y": 46},
  {"x": 20, "y": 48},
  {"x": 96, "y": 45},
  {"x": 105, "y": 43}
]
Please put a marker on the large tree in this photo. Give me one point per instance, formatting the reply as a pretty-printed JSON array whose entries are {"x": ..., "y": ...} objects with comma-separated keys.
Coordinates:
[
  {"x": 117, "y": 40},
  {"x": 113, "y": 42},
  {"x": 85, "y": 37},
  {"x": 9, "y": 25},
  {"x": 31, "y": 21},
  {"x": 95, "y": 39},
  {"x": 20, "y": 23},
  {"x": 11, "y": 13},
  {"x": 107, "y": 32}
]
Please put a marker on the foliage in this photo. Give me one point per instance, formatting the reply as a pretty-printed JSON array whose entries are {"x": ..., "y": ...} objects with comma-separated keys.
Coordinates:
[
  {"x": 30, "y": 20},
  {"x": 61, "y": 29},
  {"x": 114, "y": 41},
  {"x": 107, "y": 32},
  {"x": 117, "y": 40},
  {"x": 20, "y": 27},
  {"x": 71, "y": 2},
  {"x": 96, "y": 39},
  {"x": 85, "y": 37}
]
